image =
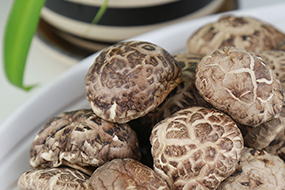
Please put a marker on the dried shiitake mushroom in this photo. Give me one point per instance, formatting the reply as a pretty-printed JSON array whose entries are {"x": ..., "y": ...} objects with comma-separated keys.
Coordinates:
[
  {"x": 53, "y": 178},
  {"x": 188, "y": 63},
  {"x": 281, "y": 45},
  {"x": 277, "y": 146},
  {"x": 276, "y": 61},
  {"x": 261, "y": 136},
  {"x": 241, "y": 32},
  {"x": 257, "y": 169},
  {"x": 129, "y": 79},
  {"x": 122, "y": 174},
  {"x": 196, "y": 148},
  {"x": 241, "y": 84},
  {"x": 81, "y": 139},
  {"x": 183, "y": 96}
]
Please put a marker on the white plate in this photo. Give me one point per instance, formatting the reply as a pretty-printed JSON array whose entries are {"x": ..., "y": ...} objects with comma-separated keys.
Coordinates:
[{"x": 67, "y": 92}]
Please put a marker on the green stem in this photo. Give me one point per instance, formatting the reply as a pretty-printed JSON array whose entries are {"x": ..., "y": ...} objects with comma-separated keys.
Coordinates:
[
  {"x": 100, "y": 13},
  {"x": 21, "y": 26}
]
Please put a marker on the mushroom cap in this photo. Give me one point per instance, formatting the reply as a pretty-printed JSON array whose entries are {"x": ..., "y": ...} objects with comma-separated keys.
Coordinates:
[
  {"x": 57, "y": 178},
  {"x": 183, "y": 96},
  {"x": 80, "y": 138},
  {"x": 257, "y": 169},
  {"x": 276, "y": 61},
  {"x": 277, "y": 146},
  {"x": 121, "y": 174},
  {"x": 241, "y": 32},
  {"x": 241, "y": 84},
  {"x": 196, "y": 148},
  {"x": 261, "y": 136},
  {"x": 188, "y": 63},
  {"x": 129, "y": 79},
  {"x": 281, "y": 45}
]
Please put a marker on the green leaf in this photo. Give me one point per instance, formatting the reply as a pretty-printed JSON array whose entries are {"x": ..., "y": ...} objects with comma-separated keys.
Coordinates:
[{"x": 20, "y": 29}]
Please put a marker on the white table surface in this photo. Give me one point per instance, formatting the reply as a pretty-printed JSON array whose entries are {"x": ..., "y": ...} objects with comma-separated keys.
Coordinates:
[{"x": 43, "y": 66}]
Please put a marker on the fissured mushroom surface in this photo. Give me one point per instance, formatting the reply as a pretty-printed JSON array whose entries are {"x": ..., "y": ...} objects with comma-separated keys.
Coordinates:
[
  {"x": 241, "y": 32},
  {"x": 81, "y": 139},
  {"x": 129, "y": 79},
  {"x": 241, "y": 84},
  {"x": 122, "y": 174},
  {"x": 277, "y": 145},
  {"x": 183, "y": 96},
  {"x": 188, "y": 63},
  {"x": 281, "y": 45},
  {"x": 196, "y": 148},
  {"x": 258, "y": 170},
  {"x": 276, "y": 61},
  {"x": 53, "y": 178},
  {"x": 261, "y": 136}
]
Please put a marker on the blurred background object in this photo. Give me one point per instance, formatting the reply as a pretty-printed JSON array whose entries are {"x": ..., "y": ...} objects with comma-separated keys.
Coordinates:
[{"x": 66, "y": 24}]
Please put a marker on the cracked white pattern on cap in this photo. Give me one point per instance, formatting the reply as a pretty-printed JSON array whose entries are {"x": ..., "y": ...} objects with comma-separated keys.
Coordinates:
[
  {"x": 257, "y": 169},
  {"x": 241, "y": 84},
  {"x": 196, "y": 148},
  {"x": 241, "y": 32}
]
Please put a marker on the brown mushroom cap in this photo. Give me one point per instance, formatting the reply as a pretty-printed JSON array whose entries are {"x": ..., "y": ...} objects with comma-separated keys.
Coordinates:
[
  {"x": 256, "y": 170},
  {"x": 183, "y": 96},
  {"x": 261, "y": 136},
  {"x": 281, "y": 45},
  {"x": 121, "y": 174},
  {"x": 53, "y": 178},
  {"x": 277, "y": 145},
  {"x": 79, "y": 139},
  {"x": 241, "y": 84},
  {"x": 188, "y": 63},
  {"x": 241, "y": 32},
  {"x": 129, "y": 79},
  {"x": 276, "y": 61},
  {"x": 196, "y": 148}
]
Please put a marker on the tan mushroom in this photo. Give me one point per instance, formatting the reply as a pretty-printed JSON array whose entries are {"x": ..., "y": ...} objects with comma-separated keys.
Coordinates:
[
  {"x": 261, "y": 136},
  {"x": 183, "y": 96},
  {"x": 241, "y": 32},
  {"x": 241, "y": 84},
  {"x": 277, "y": 146},
  {"x": 129, "y": 79},
  {"x": 81, "y": 139},
  {"x": 258, "y": 170},
  {"x": 276, "y": 61},
  {"x": 122, "y": 174},
  {"x": 53, "y": 178},
  {"x": 196, "y": 148},
  {"x": 281, "y": 45},
  {"x": 188, "y": 63}
]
